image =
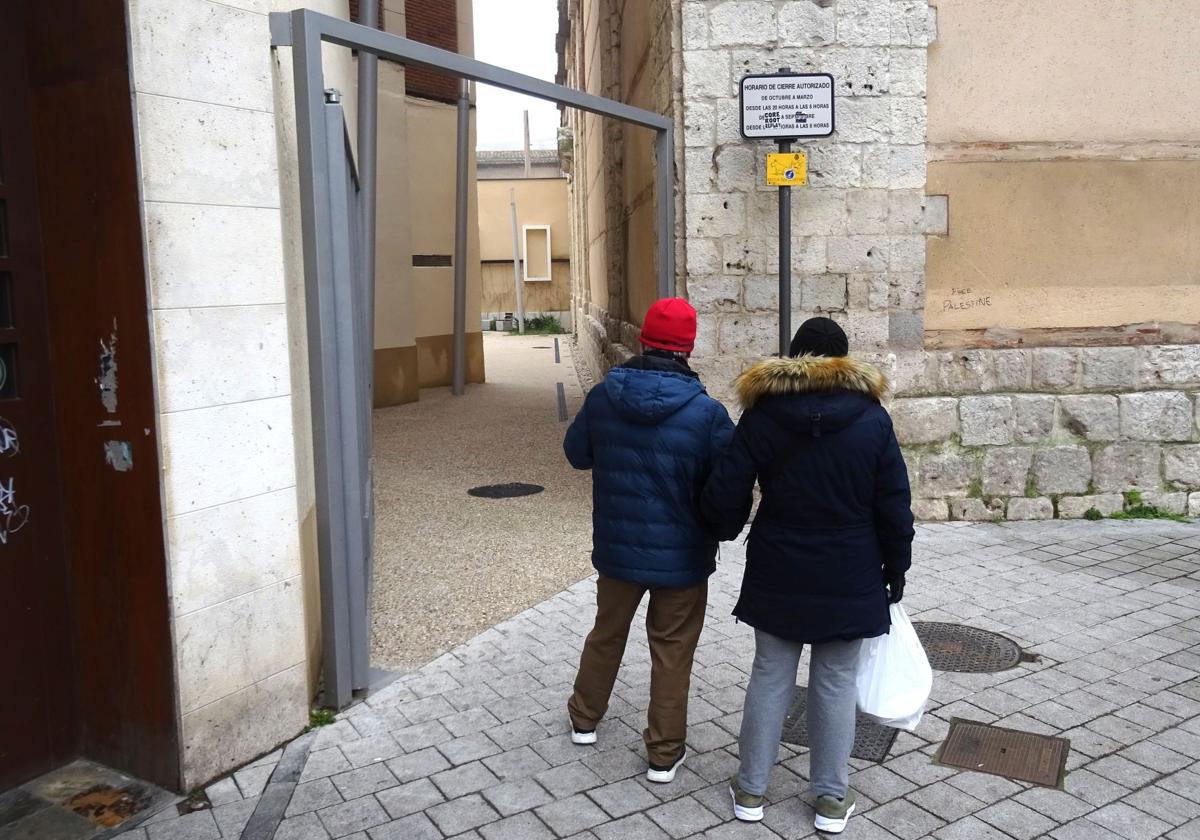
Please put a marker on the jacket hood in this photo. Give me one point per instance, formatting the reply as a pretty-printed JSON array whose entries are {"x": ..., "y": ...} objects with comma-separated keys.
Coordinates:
[
  {"x": 812, "y": 394},
  {"x": 808, "y": 375},
  {"x": 646, "y": 395}
]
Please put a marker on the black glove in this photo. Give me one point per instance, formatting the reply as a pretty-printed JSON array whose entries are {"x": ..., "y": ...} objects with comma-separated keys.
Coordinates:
[{"x": 895, "y": 585}]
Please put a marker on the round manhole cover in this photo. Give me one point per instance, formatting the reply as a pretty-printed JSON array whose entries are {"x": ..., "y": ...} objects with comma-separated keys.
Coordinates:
[
  {"x": 956, "y": 647},
  {"x": 505, "y": 491}
]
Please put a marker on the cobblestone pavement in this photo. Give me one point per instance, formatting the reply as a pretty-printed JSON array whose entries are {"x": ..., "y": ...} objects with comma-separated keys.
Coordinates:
[{"x": 475, "y": 744}]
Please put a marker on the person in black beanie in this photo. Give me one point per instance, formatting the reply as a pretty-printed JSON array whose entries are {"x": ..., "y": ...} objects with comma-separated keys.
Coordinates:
[{"x": 826, "y": 554}]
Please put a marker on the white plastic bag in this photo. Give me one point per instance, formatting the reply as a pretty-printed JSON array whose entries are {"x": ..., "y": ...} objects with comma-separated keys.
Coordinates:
[{"x": 894, "y": 677}]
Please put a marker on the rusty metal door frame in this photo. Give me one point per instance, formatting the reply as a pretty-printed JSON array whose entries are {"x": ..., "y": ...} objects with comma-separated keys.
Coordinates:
[{"x": 339, "y": 341}]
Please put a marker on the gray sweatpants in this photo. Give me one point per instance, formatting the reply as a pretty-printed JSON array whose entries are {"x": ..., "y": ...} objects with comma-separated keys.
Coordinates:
[{"x": 831, "y": 701}]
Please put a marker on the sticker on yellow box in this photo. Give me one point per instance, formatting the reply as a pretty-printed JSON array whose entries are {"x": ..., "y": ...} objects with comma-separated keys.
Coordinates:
[{"x": 787, "y": 169}]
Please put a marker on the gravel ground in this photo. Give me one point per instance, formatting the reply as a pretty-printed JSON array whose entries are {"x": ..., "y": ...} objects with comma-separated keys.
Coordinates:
[{"x": 449, "y": 565}]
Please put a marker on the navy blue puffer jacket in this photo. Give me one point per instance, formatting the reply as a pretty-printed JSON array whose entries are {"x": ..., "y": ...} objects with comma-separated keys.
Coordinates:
[
  {"x": 650, "y": 434},
  {"x": 835, "y": 510}
]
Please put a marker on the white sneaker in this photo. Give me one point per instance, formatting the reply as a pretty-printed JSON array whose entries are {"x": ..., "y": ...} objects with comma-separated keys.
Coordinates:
[
  {"x": 583, "y": 737},
  {"x": 666, "y": 773},
  {"x": 833, "y": 813}
]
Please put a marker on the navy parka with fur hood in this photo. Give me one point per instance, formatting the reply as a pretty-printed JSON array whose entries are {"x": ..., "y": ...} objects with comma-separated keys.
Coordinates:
[
  {"x": 835, "y": 511},
  {"x": 650, "y": 435}
]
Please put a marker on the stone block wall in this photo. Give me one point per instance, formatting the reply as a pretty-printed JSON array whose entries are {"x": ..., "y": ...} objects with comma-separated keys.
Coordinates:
[
  {"x": 1049, "y": 432},
  {"x": 1022, "y": 433},
  {"x": 859, "y": 227}
]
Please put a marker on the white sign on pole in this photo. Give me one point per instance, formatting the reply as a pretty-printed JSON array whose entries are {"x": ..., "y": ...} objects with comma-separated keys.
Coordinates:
[{"x": 780, "y": 106}]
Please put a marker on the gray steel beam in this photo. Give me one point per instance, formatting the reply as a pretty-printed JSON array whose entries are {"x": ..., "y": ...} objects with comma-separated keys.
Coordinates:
[
  {"x": 665, "y": 209},
  {"x": 394, "y": 48},
  {"x": 461, "y": 199},
  {"x": 368, "y": 147},
  {"x": 316, "y": 225}
]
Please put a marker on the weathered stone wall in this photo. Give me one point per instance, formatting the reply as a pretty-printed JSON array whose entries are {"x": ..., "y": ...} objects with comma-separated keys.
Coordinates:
[
  {"x": 1020, "y": 433},
  {"x": 858, "y": 238},
  {"x": 988, "y": 433},
  {"x": 1034, "y": 434},
  {"x": 621, "y": 49}
]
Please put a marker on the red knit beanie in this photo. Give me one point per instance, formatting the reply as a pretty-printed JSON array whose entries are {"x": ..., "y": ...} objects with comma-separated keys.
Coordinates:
[{"x": 670, "y": 325}]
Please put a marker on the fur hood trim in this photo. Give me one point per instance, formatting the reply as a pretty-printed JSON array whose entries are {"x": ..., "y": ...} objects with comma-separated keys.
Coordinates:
[{"x": 809, "y": 374}]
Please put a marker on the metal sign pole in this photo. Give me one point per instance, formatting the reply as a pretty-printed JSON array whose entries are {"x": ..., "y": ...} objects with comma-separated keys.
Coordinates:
[
  {"x": 512, "y": 201},
  {"x": 785, "y": 262},
  {"x": 459, "y": 381}
]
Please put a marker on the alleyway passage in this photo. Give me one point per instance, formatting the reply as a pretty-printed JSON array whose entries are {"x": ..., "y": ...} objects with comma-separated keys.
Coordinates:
[
  {"x": 449, "y": 565},
  {"x": 475, "y": 744}
]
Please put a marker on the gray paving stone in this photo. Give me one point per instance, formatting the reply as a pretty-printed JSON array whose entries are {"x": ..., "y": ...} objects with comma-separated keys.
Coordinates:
[
  {"x": 560, "y": 750},
  {"x": 518, "y": 733},
  {"x": 312, "y": 796},
  {"x": 223, "y": 792},
  {"x": 1017, "y": 820},
  {"x": 468, "y": 748},
  {"x": 906, "y": 820},
  {"x": 1123, "y": 771},
  {"x": 232, "y": 817},
  {"x": 303, "y": 827},
  {"x": 516, "y": 763},
  {"x": 371, "y": 750},
  {"x": 517, "y": 795},
  {"x": 1057, "y": 804},
  {"x": 402, "y": 800},
  {"x": 735, "y": 830},
  {"x": 881, "y": 784},
  {"x": 1084, "y": 829},
  {"x": 1128, "y": 822},
  {"x": 943, "y": 801},
  {"x": 617, "y": 764},
  {"x": 568, "y": 779},
  {"x": 252, "y": 780},
  {"x": 683, "y": 817},
  {"x": 324, "y": 763},
  {"x": 635, "y": 827},
  {"x": 1166, "y": 806},
  {"x": 195, "y": 826},
  {"x": 571, "y": 816},
  {"x": 356, "y": 815},
  {"x": 970, "y": 828},
  {"x": 418, "y": 765},
  {"x": 524, "y": 826},
  {"x": 429, "y": 734},
  {"x": 469, "y": 778},
  {"x": 363, "y": 781},
  {"x": 622, "y": 798},
  {"x": 462, "y": 814},
  {"x": 470, "y": 721},
  {"x": 415, "y": 827},
  {"x": 1191, "y": 831}
]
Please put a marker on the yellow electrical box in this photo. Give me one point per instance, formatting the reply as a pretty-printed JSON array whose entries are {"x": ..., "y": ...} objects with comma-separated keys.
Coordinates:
[{"x": 787, "y": 169}]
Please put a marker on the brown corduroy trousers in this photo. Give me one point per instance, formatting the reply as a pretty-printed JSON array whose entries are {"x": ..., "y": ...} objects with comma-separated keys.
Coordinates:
[{"x": 674, "y": 620}]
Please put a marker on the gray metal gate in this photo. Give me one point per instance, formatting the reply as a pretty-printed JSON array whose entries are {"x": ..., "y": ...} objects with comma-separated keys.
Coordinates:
[{"x": 339, "y": 295}]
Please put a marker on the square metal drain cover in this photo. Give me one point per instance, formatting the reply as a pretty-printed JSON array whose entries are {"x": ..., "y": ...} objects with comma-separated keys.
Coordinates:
[
  {"x": 871, "y": 740},
  {"x": 1038, "y": 759}
]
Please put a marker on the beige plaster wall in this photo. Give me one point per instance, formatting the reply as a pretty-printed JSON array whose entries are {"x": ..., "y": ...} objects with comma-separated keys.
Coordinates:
[
  {"x": 395, "y": 321},
  {"x": 1065, "y": 244},
  {"x": 499, "y": 294},
  {"x": 1115, "y": 71},
  {"x": 541, "y": 201},
  {"x": 431, "y": 167},
  {"x": 1065, "y": 138}
]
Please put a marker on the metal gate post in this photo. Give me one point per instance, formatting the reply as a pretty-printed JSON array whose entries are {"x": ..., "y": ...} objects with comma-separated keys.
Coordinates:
[
  {"x": 664, "y": 196},
  {"x": 321, "y": 305}
]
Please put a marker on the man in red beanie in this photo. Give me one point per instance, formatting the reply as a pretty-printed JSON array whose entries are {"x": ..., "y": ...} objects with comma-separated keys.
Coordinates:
[{"x": 650, "y": 435}]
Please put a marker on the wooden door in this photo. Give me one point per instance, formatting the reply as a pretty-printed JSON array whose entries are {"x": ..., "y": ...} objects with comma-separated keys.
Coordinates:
[{"x": 37, "y": 730}]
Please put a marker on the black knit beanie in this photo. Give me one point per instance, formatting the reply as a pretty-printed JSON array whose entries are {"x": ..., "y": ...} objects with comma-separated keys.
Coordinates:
[{"x": 820, "y": 337}]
